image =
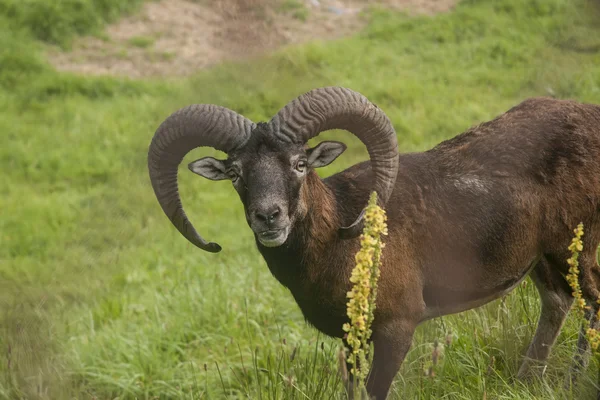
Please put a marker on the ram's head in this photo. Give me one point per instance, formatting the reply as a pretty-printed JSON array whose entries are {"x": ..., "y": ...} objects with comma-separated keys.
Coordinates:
[{"x": 268, "y": 163}]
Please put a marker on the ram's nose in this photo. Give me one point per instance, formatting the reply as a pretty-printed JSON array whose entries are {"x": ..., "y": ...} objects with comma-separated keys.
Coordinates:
[{"x": 268, "y": 216}]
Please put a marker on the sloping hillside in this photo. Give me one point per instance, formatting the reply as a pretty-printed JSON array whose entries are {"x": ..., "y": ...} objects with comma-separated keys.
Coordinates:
[{"x": 178, "y": 37}]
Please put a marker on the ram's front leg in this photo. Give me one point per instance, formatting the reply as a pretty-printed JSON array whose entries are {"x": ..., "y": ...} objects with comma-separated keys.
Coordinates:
[{"x": 391, "y": 343}]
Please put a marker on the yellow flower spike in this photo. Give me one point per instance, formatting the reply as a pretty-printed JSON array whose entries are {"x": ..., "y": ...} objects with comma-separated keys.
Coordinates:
[
  {"x": 576, "y": 246},
  {"x": 361, "y": 304}
]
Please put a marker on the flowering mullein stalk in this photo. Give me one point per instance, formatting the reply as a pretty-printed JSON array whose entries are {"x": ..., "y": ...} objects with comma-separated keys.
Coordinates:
[
  {"x": 361, "y": 304},
  {"x": 575, "y": 248}
]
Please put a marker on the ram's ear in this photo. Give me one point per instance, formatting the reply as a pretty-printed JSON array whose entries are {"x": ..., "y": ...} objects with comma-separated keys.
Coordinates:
[
  {"x": 324, "y": 153},
  {"x": 210, "y": 168}
]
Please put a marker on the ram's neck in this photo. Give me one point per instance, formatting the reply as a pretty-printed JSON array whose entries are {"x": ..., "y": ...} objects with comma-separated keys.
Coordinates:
[
  {"x": 318, "y": 228},
  {"x": 314, "y": 263},
  {"x": 311, "y": 241}
]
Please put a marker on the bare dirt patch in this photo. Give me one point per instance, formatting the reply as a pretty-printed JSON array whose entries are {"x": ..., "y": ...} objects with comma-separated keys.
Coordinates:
[{"x": 178, "y": 37}]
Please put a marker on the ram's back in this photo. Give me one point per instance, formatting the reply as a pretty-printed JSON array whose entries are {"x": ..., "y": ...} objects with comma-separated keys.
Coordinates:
[
  {"x": 540, "y": 138},
  {"x": 541, "y": 147}
]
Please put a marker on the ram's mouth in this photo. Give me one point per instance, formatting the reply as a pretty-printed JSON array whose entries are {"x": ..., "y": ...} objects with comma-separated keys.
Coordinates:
[{"x": 273, "y": 237}]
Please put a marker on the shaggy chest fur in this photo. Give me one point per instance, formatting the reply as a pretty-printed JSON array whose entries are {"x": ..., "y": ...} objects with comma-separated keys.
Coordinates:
[{"x": 319, "y": 286}]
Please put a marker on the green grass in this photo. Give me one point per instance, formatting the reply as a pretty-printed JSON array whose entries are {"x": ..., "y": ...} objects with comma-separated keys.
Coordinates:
[
  {"x": 141, "y": 41},
  {"x": 59, "y": 21},
  {"x": 101, "y": 298},
  {"x": 296, "y": 8}
]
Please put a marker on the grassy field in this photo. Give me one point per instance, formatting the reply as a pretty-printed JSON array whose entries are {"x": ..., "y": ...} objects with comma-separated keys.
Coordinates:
[{"x": 100, "y": 298}]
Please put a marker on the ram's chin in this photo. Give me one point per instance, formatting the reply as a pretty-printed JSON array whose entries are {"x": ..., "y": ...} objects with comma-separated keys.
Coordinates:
[{"x": 273, "y": 238}]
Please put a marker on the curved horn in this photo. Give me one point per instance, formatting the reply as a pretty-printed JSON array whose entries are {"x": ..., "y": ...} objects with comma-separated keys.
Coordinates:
[
  {"x": 190, "y": 127},
  {"x": 340, "y": 108}
]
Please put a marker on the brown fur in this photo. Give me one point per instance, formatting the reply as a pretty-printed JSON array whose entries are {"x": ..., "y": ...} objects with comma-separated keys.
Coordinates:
[
  {"x": 321, "y": 216},
  {"x": 468, "y": 220}
]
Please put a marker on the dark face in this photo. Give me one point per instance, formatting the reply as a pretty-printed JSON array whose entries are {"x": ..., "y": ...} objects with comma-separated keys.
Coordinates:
[{"x": 269, "y": 178}]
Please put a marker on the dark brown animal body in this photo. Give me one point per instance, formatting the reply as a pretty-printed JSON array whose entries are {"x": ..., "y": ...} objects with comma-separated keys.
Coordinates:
[{"x": 467, "y": 220}]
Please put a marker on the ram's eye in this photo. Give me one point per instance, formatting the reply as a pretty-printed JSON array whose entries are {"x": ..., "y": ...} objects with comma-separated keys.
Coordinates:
[
  {"x": 301, "y": 166},
  {"x": 232, "y": 175}
]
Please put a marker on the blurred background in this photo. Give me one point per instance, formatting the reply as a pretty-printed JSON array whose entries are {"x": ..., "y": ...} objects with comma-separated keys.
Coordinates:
[{"x": 101, "y": 298}]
